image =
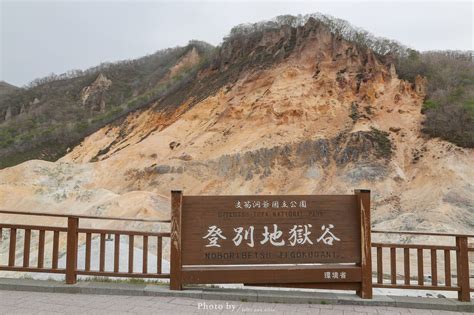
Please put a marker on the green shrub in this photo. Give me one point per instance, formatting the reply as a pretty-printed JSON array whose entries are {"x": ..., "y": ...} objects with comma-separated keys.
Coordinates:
[
  {"x": 81, "y": 126},
  {"x": 429, "y": 104},
  {"x": 449, "y": 103}
]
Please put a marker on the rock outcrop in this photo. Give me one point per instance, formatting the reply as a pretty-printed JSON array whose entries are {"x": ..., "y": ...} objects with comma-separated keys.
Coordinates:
[
  {"x": 295, "y": 110},
  {"x": 93, "y": 97}
]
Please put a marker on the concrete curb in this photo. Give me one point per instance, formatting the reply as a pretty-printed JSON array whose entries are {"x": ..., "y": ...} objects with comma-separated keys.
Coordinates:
[{"x": 242, "y": 295}]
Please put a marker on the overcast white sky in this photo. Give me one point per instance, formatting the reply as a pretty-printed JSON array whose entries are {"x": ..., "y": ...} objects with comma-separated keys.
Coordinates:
[{"x": 40, "y": 37}]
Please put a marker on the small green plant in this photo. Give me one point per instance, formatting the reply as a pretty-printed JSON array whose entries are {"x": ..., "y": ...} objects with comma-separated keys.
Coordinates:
[
  {"x": 324, "y": 302},
  {"x": 354, "y": 112},
  {"x": 384, "y": 145}
]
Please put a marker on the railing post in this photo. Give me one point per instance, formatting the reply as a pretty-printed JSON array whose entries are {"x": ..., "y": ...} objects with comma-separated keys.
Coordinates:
[
  {"x": 12, "y": 249},
  {"x": 462, "y": 261},
  {"x": 363, "y": 200},
  {"x": 71, "y": 250},
  {"x": 175, "y": 240}
]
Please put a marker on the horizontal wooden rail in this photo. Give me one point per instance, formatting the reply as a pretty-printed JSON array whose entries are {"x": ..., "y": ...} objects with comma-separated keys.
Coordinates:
[
  {"x": 123, "y": 274},
  {"x": 414, "y": 246},
  {"x": 414, "y": 287},
  {"x": 32, "y": 227},
  {"x": 123, "y": 232},
  {"x": 32, "y": 269},
  {"x": 80, "y": 216},
  {"x": 421, "y": 233}
]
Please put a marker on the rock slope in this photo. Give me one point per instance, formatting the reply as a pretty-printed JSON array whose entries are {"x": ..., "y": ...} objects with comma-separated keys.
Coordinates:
[{"x": 296, "y": 110}]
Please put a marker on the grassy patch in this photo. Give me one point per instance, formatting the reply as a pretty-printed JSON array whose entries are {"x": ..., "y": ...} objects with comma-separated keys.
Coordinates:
[{"x": 429, "y": 104}]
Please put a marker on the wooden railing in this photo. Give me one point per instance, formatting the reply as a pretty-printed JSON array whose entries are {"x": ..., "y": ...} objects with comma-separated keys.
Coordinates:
[
  {"x": 73, "y": 233},
  {"x": 421, "y": 278},
  {"x": 454, "y": 257}
]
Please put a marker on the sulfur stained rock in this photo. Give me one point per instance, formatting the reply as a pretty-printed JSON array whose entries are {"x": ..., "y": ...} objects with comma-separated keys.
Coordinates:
[
  {"x": 186, "y": 157},
  {"x": 394, "y": 129},
  {"x": 174, "y": 144}
]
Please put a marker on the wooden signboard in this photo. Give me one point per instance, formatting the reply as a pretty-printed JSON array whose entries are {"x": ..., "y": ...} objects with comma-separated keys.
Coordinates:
[{"x": 318, "y": 241}]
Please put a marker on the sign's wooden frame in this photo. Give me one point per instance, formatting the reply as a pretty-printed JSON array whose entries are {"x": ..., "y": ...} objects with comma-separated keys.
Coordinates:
[{"x": 303, "y": 276}]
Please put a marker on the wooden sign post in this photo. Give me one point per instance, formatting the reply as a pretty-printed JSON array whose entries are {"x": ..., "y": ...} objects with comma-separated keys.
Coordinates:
[{"x": 312, "y": 241}]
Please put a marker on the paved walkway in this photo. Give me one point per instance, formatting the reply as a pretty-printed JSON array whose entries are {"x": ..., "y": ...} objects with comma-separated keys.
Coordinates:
[{"x": 21, "y": 302}]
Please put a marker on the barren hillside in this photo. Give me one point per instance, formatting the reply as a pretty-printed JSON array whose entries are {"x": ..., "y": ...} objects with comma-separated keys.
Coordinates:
[{"x": 296, "y": 110}]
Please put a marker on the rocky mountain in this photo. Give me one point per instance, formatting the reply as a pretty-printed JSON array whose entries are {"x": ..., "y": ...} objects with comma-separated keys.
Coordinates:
[
  {"x": 291, "y": 109},
  {"x": 55, "y": 113}
]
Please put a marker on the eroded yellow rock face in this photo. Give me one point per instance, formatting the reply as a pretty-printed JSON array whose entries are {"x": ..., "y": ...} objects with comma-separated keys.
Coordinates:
[{"x": 302, "y": 126}]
